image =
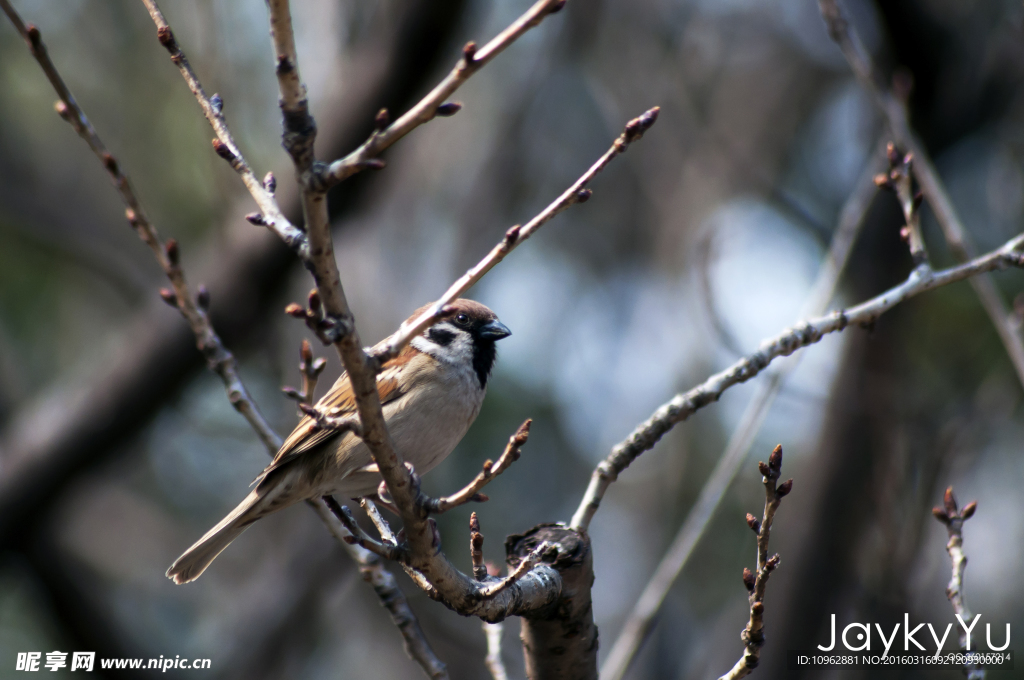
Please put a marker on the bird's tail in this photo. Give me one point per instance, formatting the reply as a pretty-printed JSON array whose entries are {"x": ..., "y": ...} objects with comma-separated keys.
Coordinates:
[{"x": 196, "y": 559}]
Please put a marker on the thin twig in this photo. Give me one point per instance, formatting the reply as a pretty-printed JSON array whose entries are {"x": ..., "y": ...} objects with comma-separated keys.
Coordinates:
[
  {"x": 577, "y": 193},
  {"x": 476, "y": 548},
  {"x": 192, "y": 306},
  {"x": 356, "y": 534},
  {"x": 682, "y": 406},
  {"x": 383, "y": 528},
  {"x": 894, "y": 108},
  {"x": 493, "y": 660},
  {"x": 954, "y": 518},
  {"x": 470, "y": 493},
  {"x": 434, "y": 103},
  {"x": 270, "y": 214},
  {"x": 756, "y": 582},
  {"x": 542, "y": 552}
]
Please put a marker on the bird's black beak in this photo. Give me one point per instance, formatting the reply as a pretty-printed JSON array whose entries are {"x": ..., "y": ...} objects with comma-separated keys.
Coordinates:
[{"x": 494, "y": 330}]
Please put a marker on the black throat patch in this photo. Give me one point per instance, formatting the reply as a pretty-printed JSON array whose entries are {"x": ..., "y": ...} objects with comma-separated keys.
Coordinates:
[{"x": 484, "y": 354}]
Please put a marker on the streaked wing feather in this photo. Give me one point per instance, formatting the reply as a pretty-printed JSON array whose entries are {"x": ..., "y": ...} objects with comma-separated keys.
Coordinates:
[{"x": 338, "y": 402}]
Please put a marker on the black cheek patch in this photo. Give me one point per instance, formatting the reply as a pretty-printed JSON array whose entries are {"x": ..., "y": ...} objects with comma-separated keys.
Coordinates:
[{"x": 440, "y": 336}]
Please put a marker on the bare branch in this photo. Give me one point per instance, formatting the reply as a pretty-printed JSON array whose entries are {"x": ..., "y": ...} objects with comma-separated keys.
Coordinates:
[
  {"x": 642, "y": 617},
  {"x": 356, "y": 534},
  {"x": 469, "y": 493},
  {"x": 493, "y": 660},
  {"x": 577, "y": 193},
  {"x": 270, "y": 214},
  {"x": 434, "y": 104},
  {"x": 756, "y": 582},
  {"x": 894, "y": 108},
  {"x": 953, "y": 518},
  {"x": 900, "y": 181},
  {"x": 682, "y": 406}
]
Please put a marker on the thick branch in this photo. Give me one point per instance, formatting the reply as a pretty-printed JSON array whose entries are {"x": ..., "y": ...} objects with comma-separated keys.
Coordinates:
[
  {"x": 427, "y": 108},
  {"x": 682, "y": 406},
  {"x": 894, "y": 109}
]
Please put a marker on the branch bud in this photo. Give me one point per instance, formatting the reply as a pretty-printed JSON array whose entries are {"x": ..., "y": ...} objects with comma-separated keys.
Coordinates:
[
  {"x": 203, "y": 298},
  {"x": 270, "y": 182},
  {"x": 940, "y": 514},
  {"x": 775, "y": 460},
  {"x": 969, "y": 509},
  {"x": 168, "y": 296},
  {"x": 306, "y": 354},
  {"x": 314, "y": 302},
  {"x": 223, "y": 151},
  {"x": 469, "y": 52},
  {"x": 773, "y": 562},
  {"x": 783, "y": 489},
  {"x": 583, "y": 195},
  {"x": 763, "y": 468},
  {"x": 171, "y": 249},
  {"x": 753, "y": 523},
  {"x": 256, "y": 218},
  {"x": 557, "y": 7},
  {"x": 110, "y": 163},
  {"x": 748, "y": 579},
  {"x": 949, "y": 501},
  {"x": 295, "y": 310},
  {"x": 35, "y": 38},
  {"x": 448, "y": 109},
  {"x": 166, "y": 38},
  {"x": 217, "y": 103},
  {"x": 291, "y": 393},
  {"x": 381, "y": 120}
]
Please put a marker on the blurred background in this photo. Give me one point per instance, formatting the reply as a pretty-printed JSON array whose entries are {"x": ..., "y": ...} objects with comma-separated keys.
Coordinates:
[{"x": 118, "y": 449}]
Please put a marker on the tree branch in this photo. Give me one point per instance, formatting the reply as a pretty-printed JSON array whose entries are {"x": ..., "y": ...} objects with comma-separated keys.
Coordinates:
[
  {"x": 894, "y": 108},
  {"x": 642, "y": 617},
  {"x": 469, "y": 493},
  {"x": 753, "y": 634},
  {"x": 954, "y": 518},
  {"x": 577, "y": 193},
  {"x": 682, "y": 406},
  {"x": 224, "y": 144},
  {"x": 493, "y": 661},
  {"x": 434, "y": 103}
]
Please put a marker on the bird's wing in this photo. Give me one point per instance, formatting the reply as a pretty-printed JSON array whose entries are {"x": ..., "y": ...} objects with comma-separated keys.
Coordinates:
[{"x": 338, "y": 402}]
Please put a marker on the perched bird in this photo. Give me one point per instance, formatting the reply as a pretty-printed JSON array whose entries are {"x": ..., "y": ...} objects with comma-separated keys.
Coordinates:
[{"x": 431, "y": 393}]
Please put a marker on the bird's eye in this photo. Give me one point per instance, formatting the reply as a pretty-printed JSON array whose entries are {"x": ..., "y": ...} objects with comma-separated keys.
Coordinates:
[{"x": 462, "y": 319}]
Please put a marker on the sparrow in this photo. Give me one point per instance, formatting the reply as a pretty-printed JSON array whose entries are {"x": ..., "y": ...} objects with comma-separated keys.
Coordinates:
[{"x": 431, "y": 392}]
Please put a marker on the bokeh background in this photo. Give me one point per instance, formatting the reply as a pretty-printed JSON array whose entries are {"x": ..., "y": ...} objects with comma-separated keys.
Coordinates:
[{"x": 119, "y": 449}]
